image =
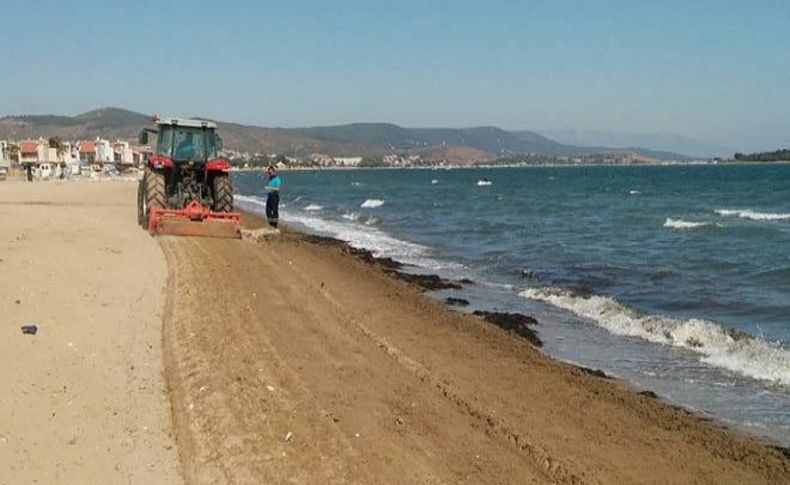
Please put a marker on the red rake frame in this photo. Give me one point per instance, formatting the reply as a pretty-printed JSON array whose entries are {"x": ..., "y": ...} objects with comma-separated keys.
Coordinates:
[{"x": 194, "y": 220}]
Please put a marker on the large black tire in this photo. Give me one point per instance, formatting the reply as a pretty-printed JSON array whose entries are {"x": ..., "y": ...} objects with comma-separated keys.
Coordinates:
[
  {"x": 153, "y": 187},
  {"x": 223, "y": 193},
  {"x": 141, "y": 206}
]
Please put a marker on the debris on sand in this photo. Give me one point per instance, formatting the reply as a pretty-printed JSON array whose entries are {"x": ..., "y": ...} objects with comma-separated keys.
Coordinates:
[
  {"x": 258, "y": 235},
  {"x": 29, "y": 329},
  {"x": 513, "y": 322},
  {"x": 456, "y": 301},
  {"x": 289, "y": 437}
]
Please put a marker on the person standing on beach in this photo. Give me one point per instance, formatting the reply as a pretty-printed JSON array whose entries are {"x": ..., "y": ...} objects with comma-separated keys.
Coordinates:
[{"x": 273, "y": 196}]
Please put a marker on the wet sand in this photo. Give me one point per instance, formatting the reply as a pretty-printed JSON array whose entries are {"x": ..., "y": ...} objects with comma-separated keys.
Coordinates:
[{"x": 296, "y": 360}]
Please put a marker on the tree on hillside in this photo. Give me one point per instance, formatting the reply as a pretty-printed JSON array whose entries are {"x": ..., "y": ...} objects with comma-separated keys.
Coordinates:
[
  {"x": 13, "y": 153},
  {"x": 56, "y": 143},
  {"x": 775, "y": 156}
]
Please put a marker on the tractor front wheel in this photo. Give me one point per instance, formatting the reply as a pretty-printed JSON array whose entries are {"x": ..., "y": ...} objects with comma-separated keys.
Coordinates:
[{"x": 223, "y": 193}]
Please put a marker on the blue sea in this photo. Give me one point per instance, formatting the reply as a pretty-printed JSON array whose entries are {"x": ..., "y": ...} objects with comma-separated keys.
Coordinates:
[{"x": 675, "y": 278}]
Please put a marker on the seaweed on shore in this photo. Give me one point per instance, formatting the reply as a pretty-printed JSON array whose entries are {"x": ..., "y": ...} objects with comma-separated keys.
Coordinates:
[
  {"x": 593, "y": 372},
  {"x": 363, "y": 254},
  {"x": 784, "y": 451},
  {"x": 390, "y": 266},
  {"x": 650, "y": 394},
  {"x": 456, "y": 301},
  {"x": 368, "y": 257},
  {"x": 426, "y": 281},
  {"x": 322, "y": 240},
  {"x": 513, "y": 322}
]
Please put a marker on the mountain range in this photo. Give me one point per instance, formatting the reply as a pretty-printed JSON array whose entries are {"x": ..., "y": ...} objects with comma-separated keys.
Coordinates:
[
  {"x": 655, "y": 141},
  {"x": 458, "y": 145}
]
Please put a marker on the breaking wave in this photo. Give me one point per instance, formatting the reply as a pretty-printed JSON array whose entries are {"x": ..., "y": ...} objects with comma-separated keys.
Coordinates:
[
  {"x": 718, "y": 346},
  {"x": 314, "y": 207},
  {"x": 681, "y": 224},
  {"x": 753, "y": 215},
  {"x": 363, "y": 236},
  {"x": 372, "y": 203}
]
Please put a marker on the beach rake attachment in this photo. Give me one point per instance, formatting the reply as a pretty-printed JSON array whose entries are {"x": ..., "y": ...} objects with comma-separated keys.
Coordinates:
[{"x": 194, "y": 220}]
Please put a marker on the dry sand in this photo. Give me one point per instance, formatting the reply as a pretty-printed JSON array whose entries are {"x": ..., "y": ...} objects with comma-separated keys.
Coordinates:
[
  {"x": 83, "y": 401},
  {"x": 291, "y": 361}
]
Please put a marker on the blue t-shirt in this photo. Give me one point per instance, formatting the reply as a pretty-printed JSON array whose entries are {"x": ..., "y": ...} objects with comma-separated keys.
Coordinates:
[{"x": 275, "y": 182}]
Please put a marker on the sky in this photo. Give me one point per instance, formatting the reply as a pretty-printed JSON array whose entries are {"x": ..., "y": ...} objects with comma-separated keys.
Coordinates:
[{"x": 714, "y": 70}]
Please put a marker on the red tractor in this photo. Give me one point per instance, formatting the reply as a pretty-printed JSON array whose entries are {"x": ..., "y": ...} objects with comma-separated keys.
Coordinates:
[{"x": 186, "y": 189}]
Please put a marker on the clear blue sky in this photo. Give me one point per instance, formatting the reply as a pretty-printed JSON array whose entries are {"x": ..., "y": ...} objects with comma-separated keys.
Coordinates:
[{"x": 715, "y": 70}]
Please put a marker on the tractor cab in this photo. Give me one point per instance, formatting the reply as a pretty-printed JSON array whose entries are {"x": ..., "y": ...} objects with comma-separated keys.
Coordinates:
[{"x": 184, "y": 140}]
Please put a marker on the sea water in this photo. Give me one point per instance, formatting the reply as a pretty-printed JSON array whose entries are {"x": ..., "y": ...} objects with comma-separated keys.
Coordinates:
[{"x": 676, "y": 278}]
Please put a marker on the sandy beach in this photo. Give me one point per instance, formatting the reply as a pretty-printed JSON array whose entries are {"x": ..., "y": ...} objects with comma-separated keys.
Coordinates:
[
  {"x": 294, "y": 360},
  {"x": 83, "y": 400}
]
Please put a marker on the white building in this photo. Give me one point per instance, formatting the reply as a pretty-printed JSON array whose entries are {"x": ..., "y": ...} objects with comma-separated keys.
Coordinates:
[
  {"x": 35, "y": 151},
  {"x": 348, "y": 161},
  {"x": 122, "y": 153},
  {"x": 5, "y": 156},
  {"x": 104, "y": 151}
]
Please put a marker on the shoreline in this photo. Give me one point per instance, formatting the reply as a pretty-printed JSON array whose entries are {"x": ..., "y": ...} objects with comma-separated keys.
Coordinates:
[
  {"x": 349, "y": 334},
  {"x": 700, "y": 163},
  {"x": 518, "y": 324}
]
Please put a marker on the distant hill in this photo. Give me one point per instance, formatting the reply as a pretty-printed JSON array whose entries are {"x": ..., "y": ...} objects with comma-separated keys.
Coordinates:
[
  {"x": 653, "y": 141},
  {"x": 458, "y": 145}
]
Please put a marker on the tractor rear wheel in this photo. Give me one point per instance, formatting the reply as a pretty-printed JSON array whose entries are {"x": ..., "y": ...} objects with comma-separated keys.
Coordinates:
[
  {"x": 153, "y": 193},
  {"x": 142, "y": 210},
  {"x": 223, "y": 193}
]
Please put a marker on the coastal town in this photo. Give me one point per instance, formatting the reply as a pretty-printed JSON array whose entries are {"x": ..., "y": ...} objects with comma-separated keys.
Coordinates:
[
  {"x": 51, "y": 157},
  {"x": 45, "y": 158}
]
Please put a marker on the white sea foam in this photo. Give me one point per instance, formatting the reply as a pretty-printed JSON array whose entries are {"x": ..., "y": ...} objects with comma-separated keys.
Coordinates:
[
  {"x": 314, "y": 207},
  {"x": 718, "y": 346},
  {"x": 434, "y": 182},
  {"x": 681, "y": 224},
  {"x": 352, "y": 216},
  {"x": 753, "y": 215},
  {"x": 484, "y": 183},
  {"x": 358, "y": 235},
  {"x": 634, "y": 192},
  {"x": 372, "y": 203}
]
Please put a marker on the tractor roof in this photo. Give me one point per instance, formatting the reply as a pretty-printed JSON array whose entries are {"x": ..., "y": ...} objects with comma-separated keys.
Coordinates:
[{"x": 187, "y": 122}]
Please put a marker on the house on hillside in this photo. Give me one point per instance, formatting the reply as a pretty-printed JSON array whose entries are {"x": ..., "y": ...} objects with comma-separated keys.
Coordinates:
[
  {"x": 34, "y": 152},
  {"x": 5, "y": 153},
  {"x": 104, "y": 151},
  {"x": 140, "y": 155},
  {"x": 348, "y": 161},
  {"x": 86, "y": 152},
  {"x": 5, "y": 159},
  {"x": 98, "y": 151},
  {"x": 122, "y": 153}
]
